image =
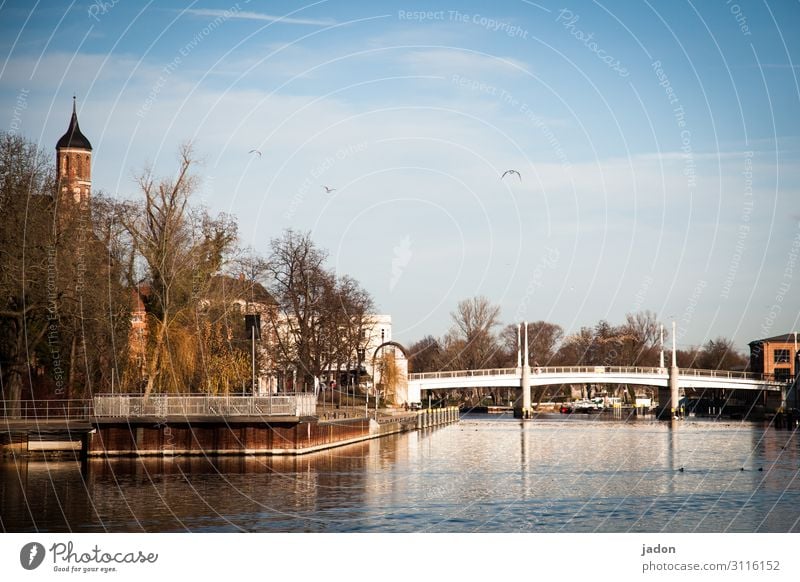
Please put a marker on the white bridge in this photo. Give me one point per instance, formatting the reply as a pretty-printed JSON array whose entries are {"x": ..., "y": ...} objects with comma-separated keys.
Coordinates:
[{"x": 550, "y": 376}]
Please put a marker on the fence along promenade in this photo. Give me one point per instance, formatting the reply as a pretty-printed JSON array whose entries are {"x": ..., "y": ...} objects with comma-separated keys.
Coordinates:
[{"x": 161, "y": 406}]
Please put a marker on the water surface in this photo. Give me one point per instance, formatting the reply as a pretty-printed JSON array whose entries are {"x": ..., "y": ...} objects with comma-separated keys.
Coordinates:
[{"x": 484, "y": 474}]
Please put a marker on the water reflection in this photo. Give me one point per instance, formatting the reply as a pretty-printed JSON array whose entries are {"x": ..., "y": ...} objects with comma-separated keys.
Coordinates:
[{"x": 483, "y": 474}]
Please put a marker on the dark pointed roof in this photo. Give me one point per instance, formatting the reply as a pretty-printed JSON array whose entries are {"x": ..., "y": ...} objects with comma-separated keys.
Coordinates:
[
  {"x": 786, "y": 338},
  {"x": 74, "y": 138}
]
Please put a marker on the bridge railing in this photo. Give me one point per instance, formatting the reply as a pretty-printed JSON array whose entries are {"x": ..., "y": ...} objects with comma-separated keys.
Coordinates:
[
  {"x": 568, "y": 370},
  {"x": 539, "y": 370},
  {"x": 463, "y": 373},
  {"x": 73, "y": 409},
  {"x": 724, "y": 374}
]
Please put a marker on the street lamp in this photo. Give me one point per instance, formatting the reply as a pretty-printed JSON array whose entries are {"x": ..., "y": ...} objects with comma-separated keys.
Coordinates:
[
  {"x": 360, "y": 358},
  {"x": 252, "y": 323}
]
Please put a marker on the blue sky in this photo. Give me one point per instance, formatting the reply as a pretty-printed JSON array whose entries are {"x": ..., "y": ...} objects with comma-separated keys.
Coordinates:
[{"x": 658, "y": 143}]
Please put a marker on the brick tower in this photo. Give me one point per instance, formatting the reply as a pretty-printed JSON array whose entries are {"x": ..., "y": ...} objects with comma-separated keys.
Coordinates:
[{"x": 74, "y": 164}]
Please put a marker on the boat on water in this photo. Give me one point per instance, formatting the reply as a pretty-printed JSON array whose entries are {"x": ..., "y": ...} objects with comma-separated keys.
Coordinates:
[{"x": 585, "y": 406}]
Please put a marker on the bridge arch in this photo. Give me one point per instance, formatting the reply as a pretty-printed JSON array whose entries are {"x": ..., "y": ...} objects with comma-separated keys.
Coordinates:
[
  {"x": 391, "y": 343},
  {"x": 400, "y": 391}
]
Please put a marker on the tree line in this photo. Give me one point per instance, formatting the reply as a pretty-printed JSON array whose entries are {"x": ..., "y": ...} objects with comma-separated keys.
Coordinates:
[
  {"x": 477, "y": 339},
  {"x": 72, "y": 275}
]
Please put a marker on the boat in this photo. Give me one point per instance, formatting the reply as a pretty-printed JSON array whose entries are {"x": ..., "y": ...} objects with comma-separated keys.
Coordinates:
[{"x": 585, "y": 406}]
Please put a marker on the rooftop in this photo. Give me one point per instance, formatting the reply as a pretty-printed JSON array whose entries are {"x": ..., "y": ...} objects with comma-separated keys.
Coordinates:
[
  {"x": 787, "y": 337},
  {"x": 74, "y": 138}
]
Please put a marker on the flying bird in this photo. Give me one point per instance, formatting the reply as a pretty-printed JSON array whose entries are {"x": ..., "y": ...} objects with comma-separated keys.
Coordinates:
[
  {"x": 255, "y": 152},
  {"x": 328, "y": 189},
  {"x": 512, "y": 172}
]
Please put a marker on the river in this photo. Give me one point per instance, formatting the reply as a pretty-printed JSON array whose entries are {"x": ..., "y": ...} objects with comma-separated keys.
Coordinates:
[{"x": 484, "y": 474}]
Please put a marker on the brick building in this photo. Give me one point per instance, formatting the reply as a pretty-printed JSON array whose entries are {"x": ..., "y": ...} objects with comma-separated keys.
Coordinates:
[
  {"x": 776, "y": 356},
  {"x": 74, "y": 163}
]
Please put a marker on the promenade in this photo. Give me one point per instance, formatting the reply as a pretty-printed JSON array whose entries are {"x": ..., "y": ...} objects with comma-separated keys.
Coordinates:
[{"x": 201, "y": 425}]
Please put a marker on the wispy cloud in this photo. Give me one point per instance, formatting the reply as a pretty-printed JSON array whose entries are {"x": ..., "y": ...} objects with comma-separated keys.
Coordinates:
[
  {"x": 211, "y": 13},
  {"x": 668, "y": 156},
  {"x": 778, "y": 66},
  {"x": 450, "y": 60}
]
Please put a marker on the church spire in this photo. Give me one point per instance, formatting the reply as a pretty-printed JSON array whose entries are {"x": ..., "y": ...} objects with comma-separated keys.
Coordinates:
[
  {"x": 74, "y": 138},
  {"x": 74, "y": 161}
]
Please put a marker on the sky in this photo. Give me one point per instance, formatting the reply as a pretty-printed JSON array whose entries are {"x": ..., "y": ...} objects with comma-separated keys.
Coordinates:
[{"x": 657, "y": 143}]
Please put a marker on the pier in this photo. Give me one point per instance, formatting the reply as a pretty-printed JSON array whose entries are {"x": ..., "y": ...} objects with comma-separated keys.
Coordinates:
[{"x": 122, "y": 425}]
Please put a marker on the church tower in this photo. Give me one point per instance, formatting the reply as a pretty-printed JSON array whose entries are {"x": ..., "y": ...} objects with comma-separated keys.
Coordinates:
[{"x": 74, "y": 164}]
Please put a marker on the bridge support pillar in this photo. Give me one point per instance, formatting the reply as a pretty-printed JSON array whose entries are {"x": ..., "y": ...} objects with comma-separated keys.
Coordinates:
[
  {"x": 674, "y": 392},
  {"x": 522, "y": 407},
  {"x": 669, "y": 397}
]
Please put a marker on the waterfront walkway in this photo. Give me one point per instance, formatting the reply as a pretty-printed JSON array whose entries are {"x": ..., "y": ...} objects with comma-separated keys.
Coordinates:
[{"x": 199, "y": 425}]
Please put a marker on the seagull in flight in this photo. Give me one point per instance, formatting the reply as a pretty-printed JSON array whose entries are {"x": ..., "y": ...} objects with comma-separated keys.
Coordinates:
[
  {"x": 255, "y": 152},
  {"x": 328, "y": 189},
  {"x": 511, "y": 172}
]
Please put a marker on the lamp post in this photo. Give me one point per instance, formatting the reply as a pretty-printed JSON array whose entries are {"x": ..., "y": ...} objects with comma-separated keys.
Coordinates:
[
  {"x": 253, "y": 326},
  {"x": 359, "y": 359}
]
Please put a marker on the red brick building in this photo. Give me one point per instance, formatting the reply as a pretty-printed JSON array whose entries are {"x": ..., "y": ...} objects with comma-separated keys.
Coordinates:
[
  {"x": 776, "y": 356},
  {"x": 74, "y": 164}
]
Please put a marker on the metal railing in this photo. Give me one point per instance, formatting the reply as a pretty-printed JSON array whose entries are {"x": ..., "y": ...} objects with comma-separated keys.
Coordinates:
[
  {"x": 463, "y": 373},
  {"x": 46, "y": 409},
  {"x": 160, "y": 406},
  {"x": 189, "y": 405},
  {"x": 724, "y": 374},
  {"x": 539, "y": 370},
  {"x": 567, "y": 370}
]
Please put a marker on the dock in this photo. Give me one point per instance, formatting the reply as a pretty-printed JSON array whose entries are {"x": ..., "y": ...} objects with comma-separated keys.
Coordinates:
[{"x": 183, "y": 425}]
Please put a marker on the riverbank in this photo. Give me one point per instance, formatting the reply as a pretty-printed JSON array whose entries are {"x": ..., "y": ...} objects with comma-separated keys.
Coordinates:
[
  {"x": 487, "y": 473},
  {"x": 240, "y": 435}
]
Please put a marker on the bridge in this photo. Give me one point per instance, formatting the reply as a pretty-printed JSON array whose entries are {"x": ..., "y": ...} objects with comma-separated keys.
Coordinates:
[
  {"x": 669, "y": 381},
  {"x": 665, "y": 379},
  {"x": 557, "y": 375}
]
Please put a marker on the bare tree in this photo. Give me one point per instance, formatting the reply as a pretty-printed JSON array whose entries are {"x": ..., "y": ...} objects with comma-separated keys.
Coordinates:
[
  {"x": 577, "y": 349},
  {"x": 640, "y": 335},
  {"x": 473, "y": 324},
  {"x": 452, "y": 352},
  {"x": 507, "y": 346},
  {"x": 181, "y": 248},
  {"x": 320, "y": 320},
  {"x": 297, "y": 283},
  {"x": 720, "y": 354},
  {"x": 424, "y": 354},
  {"x": 543, "y": 341},
  {"x": 63, "y": 310},
  {"x": 27, "y": 208},
  {"x": 349, "y": 312}
]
